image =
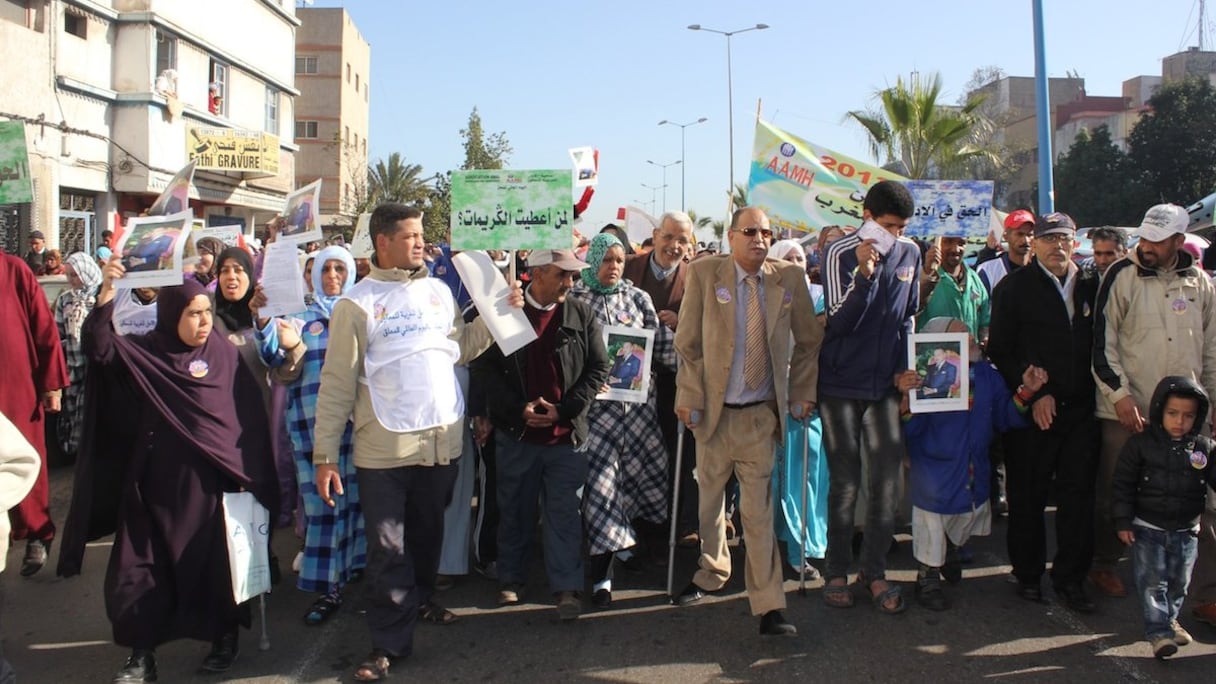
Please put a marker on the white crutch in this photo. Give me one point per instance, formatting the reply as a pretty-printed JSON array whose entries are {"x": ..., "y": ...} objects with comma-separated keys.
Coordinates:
[
  {"x": 264, "y": 642},
  {"x": 675, "y": 503},
  {"x": 802, "y": 486}
]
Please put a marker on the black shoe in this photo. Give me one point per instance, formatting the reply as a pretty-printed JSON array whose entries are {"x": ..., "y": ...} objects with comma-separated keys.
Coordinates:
[
  {"x": 140, "y": 667},
  {"x": 224, "y": 651},
  {"x": 1030, "y": 591},
  {"x": 773, "y": 623},
  {"x": 691, "y": 594},
  {"x": 1075, "y": 598},
  {"x": 602, "y": 598},
  {"x": 36, "y": 553},
  {"x": 929, "y": 593}
]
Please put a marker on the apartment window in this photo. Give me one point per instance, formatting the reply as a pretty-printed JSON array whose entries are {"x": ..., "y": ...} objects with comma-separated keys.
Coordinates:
[
  {"x": 306, "y": 65},
  {"x": 363, "y": 150},
  {"x": 166, "y": 51},
  {"x": 356, "y": 83},
  {"x": 15, "y": 11},
  {"x": 272, "y": 110},
  {"x": 365, "y": 93},
  {"x": 217, "y": 95},
  {"x": 306, "y": 129},
  {"x": 75, "y": 24},
  {"x": 355, "y": 147},
  {"x": 346, "y": 134},
  {"x": 348, "y": 72}
]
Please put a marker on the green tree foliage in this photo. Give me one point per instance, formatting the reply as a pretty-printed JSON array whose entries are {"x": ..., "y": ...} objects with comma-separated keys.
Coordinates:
[
  {"x": 1174, "y": 144},
  {"x": 931, "y": 139},
  {"x": 481, "y": 151},
  {"x": 393, "y": 180},
  {"x": 698, "y": 221},
  {"x": 1097, "y": 184},
  {"x": 738, "y": 198}
]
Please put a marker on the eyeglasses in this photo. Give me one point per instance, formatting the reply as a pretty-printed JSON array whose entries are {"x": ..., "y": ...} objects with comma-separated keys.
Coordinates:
[
  {"x": 1057, "y": 238},
  {"x": 750, "y": 232}
]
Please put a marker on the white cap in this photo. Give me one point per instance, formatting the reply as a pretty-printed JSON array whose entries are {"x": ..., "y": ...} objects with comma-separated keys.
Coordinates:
[{"x": 1162, "y": 221}]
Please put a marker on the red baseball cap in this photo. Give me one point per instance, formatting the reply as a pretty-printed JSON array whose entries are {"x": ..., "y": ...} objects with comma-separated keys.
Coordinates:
[{"x": 1018, "y": 219}]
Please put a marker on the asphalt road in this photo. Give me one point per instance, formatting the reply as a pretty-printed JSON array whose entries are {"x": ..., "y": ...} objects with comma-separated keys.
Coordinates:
[{"x": 55, "y": 630}]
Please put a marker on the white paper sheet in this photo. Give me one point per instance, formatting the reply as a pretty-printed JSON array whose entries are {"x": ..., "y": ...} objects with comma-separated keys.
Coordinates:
[
  {"x": 282, "y": 281},
  {"x": 489, "y": 290},
  {"x": 883, "y": 240}
]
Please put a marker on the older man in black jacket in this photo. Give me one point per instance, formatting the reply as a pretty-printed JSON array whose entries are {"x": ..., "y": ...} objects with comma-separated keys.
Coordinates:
[
  {"x": 538, "y": 398},
  {"x": 1043, "y": 315}
]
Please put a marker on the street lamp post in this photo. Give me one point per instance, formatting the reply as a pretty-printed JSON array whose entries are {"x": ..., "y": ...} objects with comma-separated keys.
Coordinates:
[
  {"x": 664, "y": 167},
  {"x": 654, "y": 189},
  {"x": 730, "y": 100},
  {"x": 683, "y": 166}
]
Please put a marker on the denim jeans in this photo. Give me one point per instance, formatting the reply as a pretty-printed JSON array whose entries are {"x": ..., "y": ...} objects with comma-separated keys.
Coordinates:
[
  {"x": 1163, "y": 562},
  {"x": 853, "y": 429},
  {"x": 532, "y": 475}
]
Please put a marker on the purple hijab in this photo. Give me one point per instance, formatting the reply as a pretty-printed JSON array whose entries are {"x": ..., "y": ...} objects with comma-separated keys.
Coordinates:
[{"x": 204, "y": 394}]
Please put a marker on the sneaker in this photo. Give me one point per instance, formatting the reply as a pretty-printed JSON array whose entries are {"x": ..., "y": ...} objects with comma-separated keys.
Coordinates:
[
  {"x": 487, "y": 570},
  {"x": 36, "y": 552},
  {"x": 508, "y": 594},
  {"x": 569, "y": 606},
  {"x": 1181, "y": 636},
  {"x": 1163, "y": 647}
]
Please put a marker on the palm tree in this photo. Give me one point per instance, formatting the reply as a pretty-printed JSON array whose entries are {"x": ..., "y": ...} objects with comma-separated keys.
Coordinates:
[
  {"x": 738, "y": 198},
  {"x": 719, "y": 229},
  {"x": 698, "y": 221},
  {"x": 396, "y": 181},
  {"x": 929, "y": 138}
]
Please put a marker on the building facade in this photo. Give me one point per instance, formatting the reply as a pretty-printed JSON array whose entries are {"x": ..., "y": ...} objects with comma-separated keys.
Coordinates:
[
  {"x": 116, "y": 96},
  {"x": 333, "y": 73}
]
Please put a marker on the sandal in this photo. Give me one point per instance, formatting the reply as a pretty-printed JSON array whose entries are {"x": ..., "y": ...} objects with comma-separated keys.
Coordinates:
[
  {"x": 436, "y": 614},
  {"x": 374, "y": 667},
  {"x": 321, "y": 609},
  {"x": 880, "y": 599},
  {"x": 838, "y": 595}
]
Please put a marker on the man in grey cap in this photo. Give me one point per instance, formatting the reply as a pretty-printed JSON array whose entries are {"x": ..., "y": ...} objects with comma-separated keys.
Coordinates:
[
  {"x": 1155, "y": 316},
  {"x": 540, "y": 397},
  {"x": 37, "y": 254}
]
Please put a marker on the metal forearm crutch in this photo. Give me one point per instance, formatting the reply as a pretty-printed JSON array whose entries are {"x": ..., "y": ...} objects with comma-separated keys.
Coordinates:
[
  {"x": 802, "y": 487},
  {"x": 675, "y": 503},
  {"x": 264, "y": 642}
]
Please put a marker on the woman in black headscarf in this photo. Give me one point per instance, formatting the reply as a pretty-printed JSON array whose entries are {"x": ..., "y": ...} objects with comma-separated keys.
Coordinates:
[
  {"x": 234, "y": 288},
  {"x": 201, "y": 433}
]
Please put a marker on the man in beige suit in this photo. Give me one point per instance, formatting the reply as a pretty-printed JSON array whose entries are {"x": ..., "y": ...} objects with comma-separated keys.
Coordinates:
[{"x": 734, "y": 340}]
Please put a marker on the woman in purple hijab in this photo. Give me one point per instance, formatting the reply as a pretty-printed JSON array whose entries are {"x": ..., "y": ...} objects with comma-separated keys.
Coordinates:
[{"x": 202, "y": 432}]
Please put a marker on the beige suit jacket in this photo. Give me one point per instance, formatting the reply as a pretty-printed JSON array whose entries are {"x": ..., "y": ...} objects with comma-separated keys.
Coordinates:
[{"x": 705, "y": 338}]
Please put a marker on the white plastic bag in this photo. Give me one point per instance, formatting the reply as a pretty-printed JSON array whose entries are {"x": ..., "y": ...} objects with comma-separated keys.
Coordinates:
[{"x": 247, "y": 523}]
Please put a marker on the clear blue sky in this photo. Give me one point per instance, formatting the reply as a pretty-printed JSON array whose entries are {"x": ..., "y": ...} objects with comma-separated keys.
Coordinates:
[{"x": 555, "y": 75}]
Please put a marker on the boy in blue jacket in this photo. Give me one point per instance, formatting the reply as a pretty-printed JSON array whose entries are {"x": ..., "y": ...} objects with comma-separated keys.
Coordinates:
[
  {"x": 949, "y": 477},
  {"x": 1161, "y": 482}
]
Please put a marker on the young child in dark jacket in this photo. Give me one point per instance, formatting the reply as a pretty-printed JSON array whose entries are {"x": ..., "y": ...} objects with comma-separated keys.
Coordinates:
[
  {"x": 1161, "y": 482},
  {"x": 948, "y": 453}
]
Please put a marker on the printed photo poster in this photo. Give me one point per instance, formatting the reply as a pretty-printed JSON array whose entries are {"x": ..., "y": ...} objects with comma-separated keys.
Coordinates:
[
  {"x": 176, "y": 195},
  {"x": 361, "y": 241},
  {"x": 941, "y": 361},
  {"x": 586, "y": 166},
  {"x": 630, "y": 350},
  {"x": 303, "y": 215},
  {"x": 153, "y": 249},
  {"x": 15, "y": 184},
  {"x": 803, "y": 186},
  {"x": 502, "y": 209},
  {"x": 950, "y": 208}
]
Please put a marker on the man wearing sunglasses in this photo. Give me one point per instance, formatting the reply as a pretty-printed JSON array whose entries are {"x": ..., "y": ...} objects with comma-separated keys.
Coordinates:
[
  {"x": 738, "y": 375},
  {"x": 871, "y": 294}
]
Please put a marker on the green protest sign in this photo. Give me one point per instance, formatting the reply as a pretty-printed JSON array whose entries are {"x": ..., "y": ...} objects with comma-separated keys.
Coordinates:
[
  {"x": 15, "y": 185},
  {"x": 503, "y": 209}
]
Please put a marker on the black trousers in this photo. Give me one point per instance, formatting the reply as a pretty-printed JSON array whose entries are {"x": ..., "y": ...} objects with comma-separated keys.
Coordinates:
[
  {"x": 485, "y": 524},
  {"x": 1064, "y": 457}
]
